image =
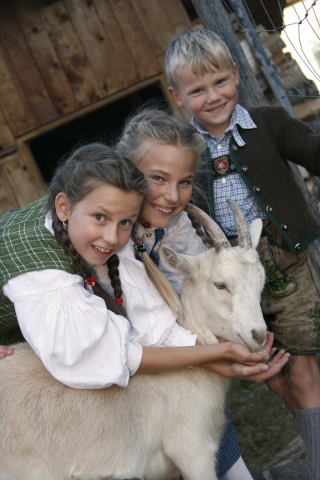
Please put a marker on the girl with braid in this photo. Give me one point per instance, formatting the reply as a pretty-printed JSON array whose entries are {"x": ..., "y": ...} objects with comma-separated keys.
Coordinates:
[
  {"x": 51, "y": 296},
  {"x": 168, "y": 152}
]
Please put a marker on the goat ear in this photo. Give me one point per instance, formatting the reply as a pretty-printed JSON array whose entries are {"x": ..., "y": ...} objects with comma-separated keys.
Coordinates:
[
  {"x": 255, "y": 232},
  {"x": 175, "y": 260}
]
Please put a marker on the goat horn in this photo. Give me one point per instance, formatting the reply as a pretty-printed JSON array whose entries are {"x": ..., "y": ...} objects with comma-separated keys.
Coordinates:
[
  {"x": 242, "y": 226},
  {"x": 219, "y": 239}
]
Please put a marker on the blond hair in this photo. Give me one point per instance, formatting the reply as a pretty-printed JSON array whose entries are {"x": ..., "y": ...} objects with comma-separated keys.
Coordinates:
[
  {"x": 200, "y": 50},
  {"x": 156, "y": 126},
  {"x": 153, "y": 126}
]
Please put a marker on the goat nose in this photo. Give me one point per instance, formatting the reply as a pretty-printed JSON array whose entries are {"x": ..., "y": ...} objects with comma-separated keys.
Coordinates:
[{"x": 259, "y": 336}]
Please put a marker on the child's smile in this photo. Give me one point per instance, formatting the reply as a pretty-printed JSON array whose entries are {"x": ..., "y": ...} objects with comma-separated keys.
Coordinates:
[
  {"x": 165, "y": 210},
  {"x": 100, "y": 225},
  {"x": 217, "y": 109},
  {"x": 210, "y": 98}
]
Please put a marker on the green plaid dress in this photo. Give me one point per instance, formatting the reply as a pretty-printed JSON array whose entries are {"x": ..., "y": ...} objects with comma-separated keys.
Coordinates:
[{"x": 26, "y": 245}]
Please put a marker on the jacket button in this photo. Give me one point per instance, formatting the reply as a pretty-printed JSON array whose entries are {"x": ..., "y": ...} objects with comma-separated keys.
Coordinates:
[
  {"x": 244, "y": 168},
  {"x": 148, "y": 235},
  {"x": 298, "y": 246},
  {"x": 284, "y": 226},
  {"x": 256, "y": 189},
  {"x": 269, "y": 209},
  {"x": 234, "y": 148}
]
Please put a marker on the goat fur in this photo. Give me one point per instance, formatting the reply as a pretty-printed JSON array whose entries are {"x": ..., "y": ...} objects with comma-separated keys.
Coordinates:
[{"x": 158, "y": 427}]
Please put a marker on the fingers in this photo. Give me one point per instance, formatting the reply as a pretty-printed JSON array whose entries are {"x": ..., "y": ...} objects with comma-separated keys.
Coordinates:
[
  {"x": 268, "y": 352},
  {"x": 239, "y": 353},
  {"x": 250, "y": 373},
  {"x": 4, "y": 351},
  {"x": 273, "y": 367},
  {"x": 254, "y": 358},
  {"x": 268, "y": 346}
]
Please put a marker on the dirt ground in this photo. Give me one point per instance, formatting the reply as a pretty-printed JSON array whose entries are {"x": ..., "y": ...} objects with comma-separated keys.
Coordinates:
[{"x": 266, "y": 431}]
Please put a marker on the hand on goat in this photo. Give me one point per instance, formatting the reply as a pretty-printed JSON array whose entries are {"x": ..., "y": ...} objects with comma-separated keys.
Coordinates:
[
  {"x": 240, "y": 364},
  {"x": 256, "y": 373},
  {"x": 4, "y": 351},
  {"x": 236, "y": 352}
]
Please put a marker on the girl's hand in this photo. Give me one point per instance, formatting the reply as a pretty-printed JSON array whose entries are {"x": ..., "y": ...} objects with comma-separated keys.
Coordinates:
[
  {"x": 256, "y": 373},
  {"x": 4, "y": 351},
  {"x": 240, "y": 354}
]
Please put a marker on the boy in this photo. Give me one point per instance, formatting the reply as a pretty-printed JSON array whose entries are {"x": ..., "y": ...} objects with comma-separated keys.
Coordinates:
[{"x": 245, "y": 161}]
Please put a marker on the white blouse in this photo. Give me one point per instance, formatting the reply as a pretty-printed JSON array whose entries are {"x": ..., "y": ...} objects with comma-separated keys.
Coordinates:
[
  {"x": 152, "y": 321},
  {"x": 80, "y": 341}
]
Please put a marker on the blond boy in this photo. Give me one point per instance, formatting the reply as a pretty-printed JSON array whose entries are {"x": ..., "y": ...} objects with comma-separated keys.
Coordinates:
[{"x": 245, "y": 160}]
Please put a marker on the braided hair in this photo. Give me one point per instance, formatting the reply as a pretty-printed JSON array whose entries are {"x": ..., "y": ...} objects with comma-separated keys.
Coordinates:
[{"x": 86, "y": 168}]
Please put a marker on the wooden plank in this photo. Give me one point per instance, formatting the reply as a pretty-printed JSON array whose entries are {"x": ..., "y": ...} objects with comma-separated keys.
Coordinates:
[
  {"x": 31, "y": 165},
  {"x": 45, "y": 56},
  {"x": 177, "y": 15},
  {"x": 13, "y": 103},
  {"x": 22, "y": 142},
  {"x": 161, "y": 22},
  {"x": 70, "y": 52},
  {"x": 155, "y": 24},
  {"x": 18, "y": 179},
  {"x": 7, "y": 198},
  {"x": 6, "y": 137},
  {"x": 117, "y": 41},
  {"x": 24, "y": 67},
  {"x": 95, "y": 43},
  {"x": 137, "y": 41}
]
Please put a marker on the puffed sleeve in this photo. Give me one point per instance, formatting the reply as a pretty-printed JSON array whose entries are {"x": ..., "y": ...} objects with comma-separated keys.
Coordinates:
[
  {"x": 152, "y": 321},
  {"x": 80, "y": 341}
]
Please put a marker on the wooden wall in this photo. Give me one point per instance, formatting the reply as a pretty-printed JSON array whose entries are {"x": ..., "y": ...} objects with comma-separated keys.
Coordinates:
[{"x": 58, "y": 58}]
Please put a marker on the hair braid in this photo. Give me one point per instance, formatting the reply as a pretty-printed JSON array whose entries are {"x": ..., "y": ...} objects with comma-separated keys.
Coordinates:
[
  {"x": 160, "y": 282},
  {"x": 198, "y": 228},
  {"x": 100, "y": 292},
  {"x": 113, "y": 272}
]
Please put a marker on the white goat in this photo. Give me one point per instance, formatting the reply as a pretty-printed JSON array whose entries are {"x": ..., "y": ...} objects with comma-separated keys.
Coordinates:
[{"x": 161, "y": 424}]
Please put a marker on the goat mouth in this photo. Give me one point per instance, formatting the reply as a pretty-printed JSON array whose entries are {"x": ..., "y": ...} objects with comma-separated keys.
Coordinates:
[
  {"x": 256, "y": 350},
  {"x": 251, "y": 350},
  {"x": 244, "y": 344}
]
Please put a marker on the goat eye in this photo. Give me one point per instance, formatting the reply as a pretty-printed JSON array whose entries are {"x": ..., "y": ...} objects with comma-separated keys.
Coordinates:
[{"x": 221, "y": 286}]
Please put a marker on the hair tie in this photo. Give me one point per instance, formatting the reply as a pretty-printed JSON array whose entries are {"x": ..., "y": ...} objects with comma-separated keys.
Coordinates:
[
  {"x": 90, "y": 281},
  {"x": 118, "y": 300},
  {"x": 140, "y": 247}
]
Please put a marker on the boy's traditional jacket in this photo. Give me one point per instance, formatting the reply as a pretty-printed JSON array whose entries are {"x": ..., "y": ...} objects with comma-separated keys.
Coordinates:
[{"x": 262, "y": 164}]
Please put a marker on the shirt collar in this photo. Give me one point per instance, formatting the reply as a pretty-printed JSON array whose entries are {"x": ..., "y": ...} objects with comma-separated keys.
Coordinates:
[
  {"x": 239, "y": 116},
  {"x": 141, "y": 230}
]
